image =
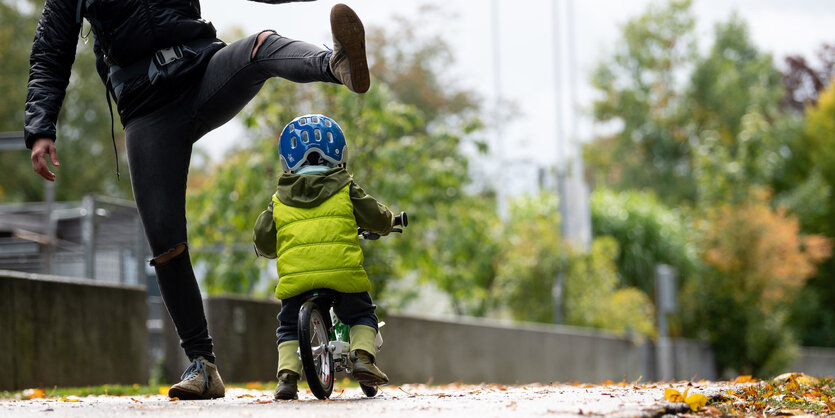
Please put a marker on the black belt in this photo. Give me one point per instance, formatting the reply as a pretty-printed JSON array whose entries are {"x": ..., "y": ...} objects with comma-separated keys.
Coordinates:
[{"x": 118, "y": 76}]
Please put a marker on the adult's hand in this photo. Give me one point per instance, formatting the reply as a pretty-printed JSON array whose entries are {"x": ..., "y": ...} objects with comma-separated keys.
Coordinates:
[{"x": 40, "y": 149}]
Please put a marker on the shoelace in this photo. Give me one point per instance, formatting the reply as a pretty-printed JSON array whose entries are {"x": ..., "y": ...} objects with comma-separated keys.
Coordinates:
[{"x": 196, "y": 367}]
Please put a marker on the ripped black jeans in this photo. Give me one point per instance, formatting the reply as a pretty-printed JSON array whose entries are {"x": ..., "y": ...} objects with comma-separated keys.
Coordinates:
[{"x": 159, "y": 146}]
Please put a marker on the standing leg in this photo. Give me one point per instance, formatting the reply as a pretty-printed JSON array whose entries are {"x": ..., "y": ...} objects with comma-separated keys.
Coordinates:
[
  {"x": 289, "y": 368},
  {"x": 159, "y": 149}
]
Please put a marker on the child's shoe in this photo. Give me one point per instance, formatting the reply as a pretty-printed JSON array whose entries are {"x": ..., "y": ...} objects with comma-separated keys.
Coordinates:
[
  {"x": 365, "y": 371},
  {"x": 200, "y": 381},
  {"x": 362, "y": 356},
  {"x": 289, "y": 370},
  {"x": 288, "y": 386}
]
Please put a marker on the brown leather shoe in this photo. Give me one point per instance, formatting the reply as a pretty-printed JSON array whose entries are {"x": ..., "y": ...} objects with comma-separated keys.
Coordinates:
[
  {"x": 200, "y": 381},
  {"x": 348, "y": 62}
]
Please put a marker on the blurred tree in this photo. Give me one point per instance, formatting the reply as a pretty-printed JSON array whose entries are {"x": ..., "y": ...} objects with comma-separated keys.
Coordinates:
[
  {"x": 84, "y": 143},
  {"x": 733, "y": 80},
  {"x": 594, "y": 298},
  {"x": 815, "y": 158},
  {"x": 533, "y": 254},
  {"x": 803, "y": 82},
  {"x": 757, "y": 263},
  {"x": 647, "y": 233},
  {"x": 641, "y": 93}
]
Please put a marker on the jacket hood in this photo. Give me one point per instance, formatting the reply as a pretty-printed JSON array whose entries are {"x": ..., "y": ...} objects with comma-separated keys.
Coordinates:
[{"x": 310, "y": 190}]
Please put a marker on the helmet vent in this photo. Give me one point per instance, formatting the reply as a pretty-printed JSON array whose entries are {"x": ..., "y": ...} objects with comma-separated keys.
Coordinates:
[
  {"x": 293, "y": 143},
  {"x": 315, "y": 119},
  {"x": 330, "y": 136},
  {"x": 305, "y": 137},
  {"x": 318, "y": 134},
  {"x": 327, "y": 123},
  {"x": 302, "y": 121}
]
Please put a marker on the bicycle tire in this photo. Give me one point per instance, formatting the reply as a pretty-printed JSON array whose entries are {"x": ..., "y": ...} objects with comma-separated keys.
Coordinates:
[
  {"x": 369, "y": 391},
  {"x": 317, "y": 360}
]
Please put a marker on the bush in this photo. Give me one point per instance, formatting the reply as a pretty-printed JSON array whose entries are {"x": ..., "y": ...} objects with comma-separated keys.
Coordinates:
[{"x": 757, "y": 262}]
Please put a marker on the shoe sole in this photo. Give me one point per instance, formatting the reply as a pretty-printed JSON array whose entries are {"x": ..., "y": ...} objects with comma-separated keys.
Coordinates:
[
  {"x": 190, "y": 396},
  {"x": 347, "y": 29},
  {"x": 369, "y": 379}
]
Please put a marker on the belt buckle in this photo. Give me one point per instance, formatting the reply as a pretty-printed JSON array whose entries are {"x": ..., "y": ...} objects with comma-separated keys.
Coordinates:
[{"x": 166, "y": 56}]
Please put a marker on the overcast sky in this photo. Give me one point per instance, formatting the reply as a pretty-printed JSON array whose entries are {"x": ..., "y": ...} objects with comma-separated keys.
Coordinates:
[{"x": 527, "y": 60}]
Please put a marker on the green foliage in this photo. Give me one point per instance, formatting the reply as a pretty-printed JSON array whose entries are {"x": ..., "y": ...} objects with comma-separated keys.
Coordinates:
[
  {"x": 639, "y": 90},
  {"x": 593, "y": 299},
  {"x": 733, "y": 80},
  {"x": 84, "y": 143},
  {"x": 647, "y": 233},
  {"x": 533, "y": 256},
  {"x": 814, "y": 160}
]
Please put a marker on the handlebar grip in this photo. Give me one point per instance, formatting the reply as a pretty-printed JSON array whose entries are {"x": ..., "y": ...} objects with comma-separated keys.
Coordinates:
[{"x": 401, "y": 220}]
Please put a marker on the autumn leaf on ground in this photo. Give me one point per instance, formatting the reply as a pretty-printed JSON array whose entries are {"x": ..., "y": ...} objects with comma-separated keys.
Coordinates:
[
  {"x": 34, "y": 393},
  {"x": 163, "y": 390},
  {"x": 673, "y": 395},
  {"x": 696, "y": 401},
  {"x": 744, "y": 379},
  {"x": 65, "y": 399}
]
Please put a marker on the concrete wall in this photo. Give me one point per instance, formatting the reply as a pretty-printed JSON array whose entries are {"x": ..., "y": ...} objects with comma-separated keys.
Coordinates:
[
  {"x": 814, "y": 361},
  {"x": 475, "y": 350},
  {"x": 56, "y": 331},
  {"x": 243, "y": 332},
  {"x": 464, "y": 349}
]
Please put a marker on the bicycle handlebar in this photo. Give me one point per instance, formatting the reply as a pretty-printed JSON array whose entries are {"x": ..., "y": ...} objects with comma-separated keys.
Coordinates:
[{"x": 400, "y": 219}]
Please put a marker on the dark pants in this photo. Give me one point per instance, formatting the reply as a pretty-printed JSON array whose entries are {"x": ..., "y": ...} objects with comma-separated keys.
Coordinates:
[
  {"x": 351, "y": 308},
  {"x": 159, "y": 147}
]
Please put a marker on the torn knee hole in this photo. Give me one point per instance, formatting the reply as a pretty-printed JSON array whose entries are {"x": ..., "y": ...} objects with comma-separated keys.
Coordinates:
[
  {"x": 168, "y": 255},
  {"x": 260, "y": 40}
]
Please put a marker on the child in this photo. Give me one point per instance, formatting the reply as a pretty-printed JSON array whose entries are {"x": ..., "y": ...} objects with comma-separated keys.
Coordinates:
[{"x": 310, "y": 226}]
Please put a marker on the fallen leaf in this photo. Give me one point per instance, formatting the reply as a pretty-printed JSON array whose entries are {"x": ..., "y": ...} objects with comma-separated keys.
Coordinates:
[
  {"x": 65, "y": 399},
  {"x": 136, "y": 400},
  {"x": 34, "y": 393},
  {"x": 673, "y": 395},
  {"x": 744, "y": 379},
  {"x": 173, "y": 399},
  {"x": 163, "y": 390},
  {"x": 696, "y": 401},
  {"x": 261, "y": 401}
]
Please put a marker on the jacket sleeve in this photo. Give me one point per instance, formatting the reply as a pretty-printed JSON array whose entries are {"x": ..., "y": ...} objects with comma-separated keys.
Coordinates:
[
  {"x": 53, "y": 53},
  {"x": 370, "y": 214},
  {"x": 264, "y": 234}
]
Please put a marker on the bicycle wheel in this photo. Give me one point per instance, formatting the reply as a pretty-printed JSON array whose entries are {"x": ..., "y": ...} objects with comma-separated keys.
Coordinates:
[
  {"x": 317, "y": 360},
  {"x": 369, "y": 391}
]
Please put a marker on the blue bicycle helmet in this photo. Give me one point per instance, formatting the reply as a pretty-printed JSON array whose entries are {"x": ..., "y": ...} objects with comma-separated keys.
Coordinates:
[{"x": 307, "y": 134}]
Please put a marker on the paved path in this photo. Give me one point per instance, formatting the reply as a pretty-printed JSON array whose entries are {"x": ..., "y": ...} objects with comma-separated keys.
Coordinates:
[{"x": 456, "y": 401}]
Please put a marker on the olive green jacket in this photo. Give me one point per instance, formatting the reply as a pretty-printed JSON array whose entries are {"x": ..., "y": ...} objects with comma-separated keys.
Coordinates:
[{"x": 313, "y": 232}]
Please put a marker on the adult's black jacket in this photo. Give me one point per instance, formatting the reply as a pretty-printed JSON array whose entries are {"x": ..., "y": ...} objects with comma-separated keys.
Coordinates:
[{"x": 125, "y": 32}]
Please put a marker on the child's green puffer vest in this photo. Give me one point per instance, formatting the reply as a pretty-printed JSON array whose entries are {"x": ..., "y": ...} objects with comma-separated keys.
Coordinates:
[{"x": 318, "y": 247}]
